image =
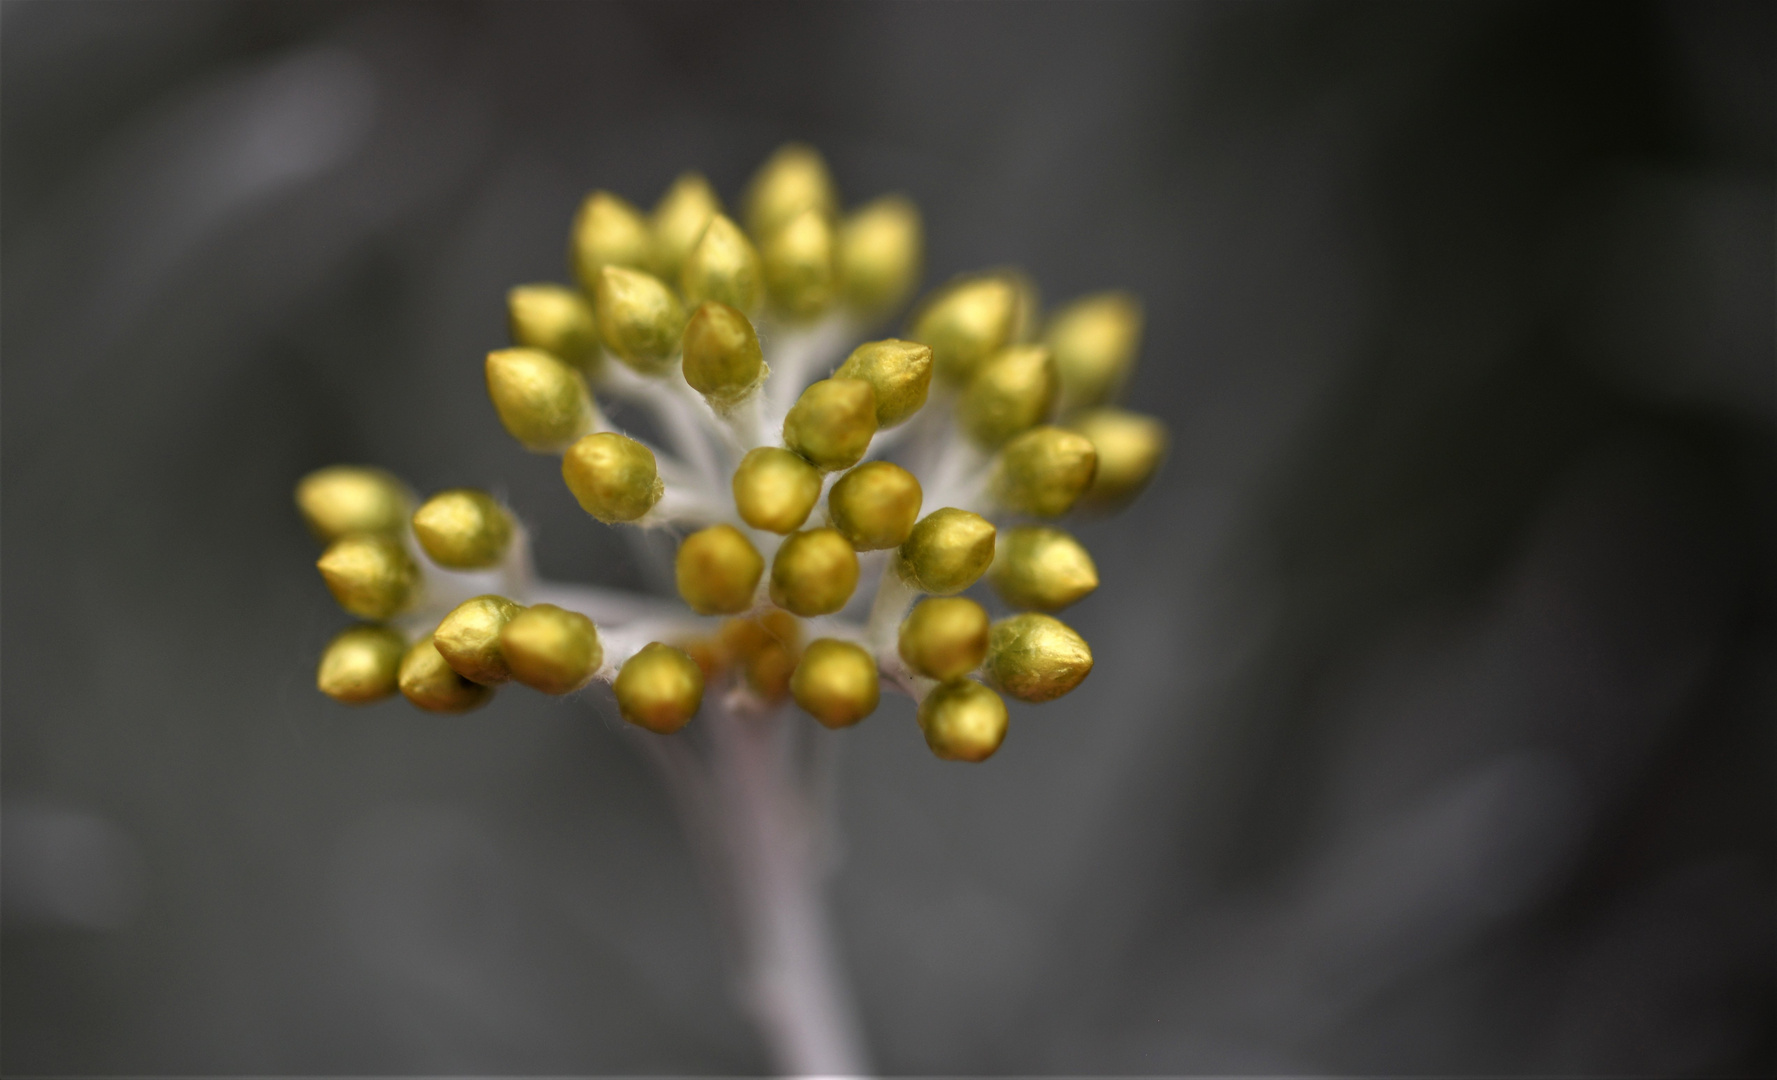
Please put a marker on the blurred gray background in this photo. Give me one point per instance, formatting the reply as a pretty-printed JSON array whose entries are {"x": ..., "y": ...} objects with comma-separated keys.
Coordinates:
[{"x": 1432, "y": 728}]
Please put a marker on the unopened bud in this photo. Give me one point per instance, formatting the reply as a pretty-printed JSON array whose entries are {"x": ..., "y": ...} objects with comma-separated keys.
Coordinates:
[
  {"x": 556, "y": 320},
  {"x": 718, "y": 570},
  {"x": 963, "y": 721},
  {"x": 1012, "y": 392},
  {"x": 947, "y": 550},
  {"x": 1130, "y": 447},
  {"x": 965, "y": 323},
  {"x": 944, "y": 637},
  {"x": 614, "y": 477},
  {"x": 659, "y": 688},
  {"x": 640, "y": 319},
  {"x": 875, "y": 505},
  {"x": 1036, "y": 657},
  {"x": 543, "y": 402},
  {"x": 428, "y": 682},
  {"x": 372, "y": 576},
  {"x": 1095, "y": 340},
  {"x": 1044, "y": 471},
  {"x": 463, "y": 529},
  {"x": 361, "y": 665},
  {"x": 551, "y": 649},
  {"x": 836, "y": 683},
  {"x": 469, "y": 639},
  {"x": 792, "y": 180},
  {"x": 832, "y": 423},
  {"x": 881, "y": 252},
  {"x": 800, "y": 261},
  {"x": 722, "y": 360},
  {"x": 724, "y": 266},
  {"x": 900, "y": 372},
  {"x": 814, "y": 573},
  {"x": 775, "y": 489},
  {"x": 608, "y": 231},
  {"x": 1041, "y": 568},
  {"x": 679, "y": 220},
  {"x": 344, "y": 499}
]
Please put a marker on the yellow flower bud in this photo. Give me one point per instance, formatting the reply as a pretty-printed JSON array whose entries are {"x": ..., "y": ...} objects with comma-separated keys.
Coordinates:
[
  {"x": 659, "y": 688},
  {"x": 556, "y": 320},
  {"x": 679, "y": 220},
  {"x": 774, "y": 489},
  {"x": 344, "y": 499},
  {"x": 724, "y": 266},
  {"x": 1042, "y": 568},
  {"x": 1044, "y": 471},
  {"x": 463, "y": 529},
  {"x": 718, "y": 570},
  {"x": 608, "y": 231},
  {"x": 814, "y": 573},
  {"x": 1036, "y": 657},
  {"x": 947, "y": 551},
  {"x": 469, "y": 638},
  {"x": 640, "y": 318},
  {"x": 963, "y": 721},
  {"x": 1095, "y": 340},
  {"x": 613, "y": 476},
  {"x": 944, "y": 637},
  {"x": 875, "y": 505},
  {"x": 965, "y": 323},
  {"x": 899, "y": 371},
  {"x": 766, "y": 649},
  {"x": 832, "y": 423},
  {"x": 542, "y": 401},
  {"x": 770, "y": 669},
  {"x": 881, "y": 252},
  {"x": 551, "y": 649},
  {"x": 800, "y": 262},
  {"x": 1130, "y": 447},
  {"x": 792, "y": 180},
  {"x": 427, "y": 681},
  {"x": 361, "y": 665},
  {"x": 722, "y": 360},
  {"x": 371, "y": 576},
  {"x": 1012, "y": 392},
  {"x": 836, "y": 683}
]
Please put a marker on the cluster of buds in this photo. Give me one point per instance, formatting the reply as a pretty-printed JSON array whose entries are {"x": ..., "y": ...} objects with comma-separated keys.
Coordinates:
[{"x": 783, "y": 490}]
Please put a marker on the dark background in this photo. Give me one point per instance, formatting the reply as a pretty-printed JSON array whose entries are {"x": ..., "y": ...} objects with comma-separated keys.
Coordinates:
[{"x": 1432, "y": 729}]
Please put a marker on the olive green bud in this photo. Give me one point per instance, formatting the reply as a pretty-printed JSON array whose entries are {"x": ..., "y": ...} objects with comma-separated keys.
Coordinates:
[
  {"x": 800, "y": 262},
  {"x": 944, "y": 637},
  {"x": 792, "y": 180},
  {"x": 947, "y": 551},
  {"x": 881, "y": 253},
  {"x": 372, "y": 576},
  {"x": 556, "y": 320},
  {"x": 1095, "y": 340},
  {"x": 543, "y": 402},
  {"x": 965, "y": 323},
  {"x": 463, "y": 529},
  {"x": 875, "y": 505},
  {"x": 679, "y": 220},
  {"x": 361, "y": 665},
  {"x": 774, "y": 489},
  {"x": 1130, "y": 447},
  {"x": 469, "y": 638},
  {"x": 832, "y": 423},
  {"x": 427, "y": 681},
  {"x": 836, "y": 683},
  {"x": 608, "y": 231},
  {"x": 640, "y": 318},
  {"x": 1012, "y": 392},
  {"x": 613, "y": 476},
  {"x": 899, "y": 371},
  {"x": 814, "y": 573},
  {"x": 551, "y": 649},
  {"x": 344, "y": 499},
  {"x": 718, "y": 569},
  {"x": 722, "y": 360},
  {"x": 1036, "y": 657},
  {"x": 724, "y": 266},
  {"x": 1042, "y": 568},
  {"x": 1044, "y": 471},
  {"x": 659, "y": 688},
  {"x": 963, "y": 721}
]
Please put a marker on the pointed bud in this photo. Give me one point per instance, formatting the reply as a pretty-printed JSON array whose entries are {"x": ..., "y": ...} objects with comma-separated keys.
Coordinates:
[
  {"x": 555, "y": 320},
  {"x": 718, "y": 570},
  {"x": 723, "y": 266},
  {"x": 613, "y": 476},
  {"x": 640, "y": 318},
  {"x": 722, "y": 360},
  {"x": 344, "y": 499},
  {"x": 836, "y": 683},
  {"x": 947, "y": 551},
  {"x": 800, "y": 261},
  {"x": 875, "y": 505},
  {"x": 659, "y": 688},
  {"x": 963, "y": 721},
  {"x": 1013, "y": 391},
  {"x": 551, "y": 649},
  {"x": 1036, "y": 657},
  {"x": 774, "y": 489},
  {"x": 900, "y": 372},
  {"x": 1095, "y": 340},
  {"x": 371, "y": 576},
  {"x": 1044, "y": 471},
  {"x": 944, "y": 637},
  {"x": 608, "y": 231},
  {"x": 814, "y": 573},
  {"x": 832, "y": 423},
  {"x": 428, "y": 682},
  {"x": 361, "y": 665},
  {"x": 881, "y": 253},
  {"x": 463, "y": 529},
  {"x": 679, "y": 220},
  {"x": 1130, "y": 447},
  {"x": 543, "y": 402},
  {"x": 469, "y": 639},
  {"x": 966, "y": 322},
  {"x": 1040, "y": 568},
  {"x": 792, "y": 180}
]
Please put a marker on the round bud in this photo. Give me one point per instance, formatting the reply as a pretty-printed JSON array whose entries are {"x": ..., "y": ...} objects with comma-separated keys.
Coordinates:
[
  {"x": 613, "y": 477},
  {"x": 792, "y": 180},
  {"x": 832, "y": 423},
  {"x": 1012, "y": 392},
  {"x": 344, "y": 499},
  {"x": 551, "y": 649},
  {"x": 1095, "y": 340},
  {"x": 543, "y": 402},
  {"x": 608, "y": 231},
  {"x": 800, "y": 262},
  {"x": 881, "y": 252},
  {"x": 1044, "y": 471},
  {"x": 679, "y": 220},
  {"x": 371, "y": 576},
  {"x": 814, "y": 573},
  {"x": 1042, "y": 568},
  {"x": 944, "y": 637},
  {"x": 774, "y": 489},
  {"x": 766, "y": 649},
  {"x": 1130, "y": 447},
  {"x": 947, "y": 550},
  {"x": 722, "y": 360},
  {"x": 640, "y": 318},
  {"x": 900, "y": 373},
  {"x": 427, "y": 681},
  {"x": 963, "y": 721},
  {"x": 361, "y": 665},
  {"x": 659, "y": 688},
  {"x": 463, "y": 529},
  {"x": 836, "y": 682},
  {"x": 718, "y": 570},
  {"x": 967, "y": 322},
  {"x": 769, "y": 671},
  {"x": 469, "y": 638},
  {"x": 556, "y": 320},
  {"x": 875, "y": 505},
  {"x": 1036, "y": 657},
  {"x": 724, "y": 266}
]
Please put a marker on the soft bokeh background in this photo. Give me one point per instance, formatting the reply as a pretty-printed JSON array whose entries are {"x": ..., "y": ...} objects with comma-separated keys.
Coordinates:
[{"x": 1433, "y": 724}]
